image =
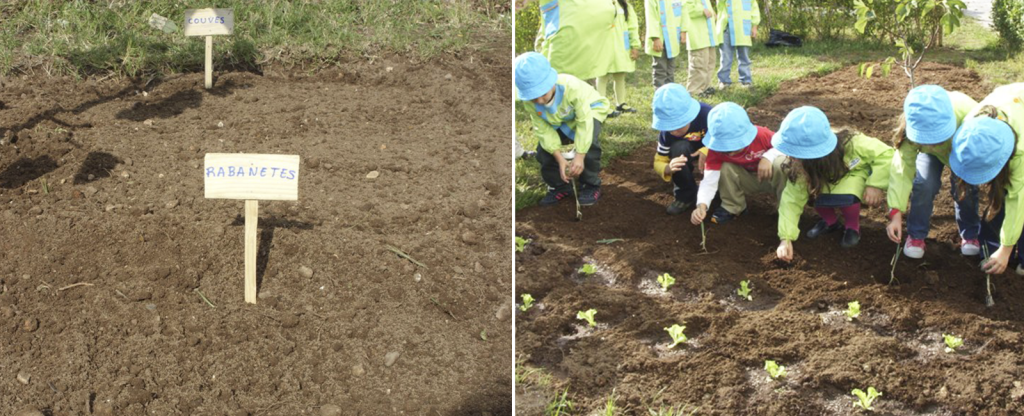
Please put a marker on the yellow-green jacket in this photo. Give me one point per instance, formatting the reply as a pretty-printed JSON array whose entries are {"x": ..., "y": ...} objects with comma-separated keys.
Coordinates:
[
  {"x": 1009, "y": 99},
  {"x": 573, "y": 109},
  {"x": 577, "y": 36},
  {"x": 904, "y": 160},
  {"x": 738, "y": 17},
  {"x": 664, "y": 20},
  {"x": 627, "y": 35},
  {"x": 700, "y": 30},
  {"x": 869, "y": 160}
]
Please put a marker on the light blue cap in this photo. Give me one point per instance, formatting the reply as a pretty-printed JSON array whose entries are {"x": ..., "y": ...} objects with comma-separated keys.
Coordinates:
[
  {"x": 729, "y": 128},
  {"x": 930, "y": 116},
  {"x": 980, "y": 149},
  {"x": 805, "y": 133},
  {"x": 534, "y": 76},
  {"x": 673, "y": 108}
]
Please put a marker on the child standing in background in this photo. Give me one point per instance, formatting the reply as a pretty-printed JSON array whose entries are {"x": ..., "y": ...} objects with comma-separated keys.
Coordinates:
[
  {"x": 623, "y": 58},
  {"x": 664, "y": 21},
  {"x": 701, "y": 45},
  {"x": 681, "y": 122},
  {"x": 837, "y": 170},
  {"x": 737, "y": 23},
  {"x": 923, "y": 143}
]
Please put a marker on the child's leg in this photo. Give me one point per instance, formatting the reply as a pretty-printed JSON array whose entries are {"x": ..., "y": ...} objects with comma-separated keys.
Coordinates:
[
  {"x": 851, "y": 215},
  {"x": 743, "y": 52},
  {"x": 828, "y": 214},
  {"x": 734, "y": 185},
  {"x": 683, "y": 184},
  {"x": 710, "y": 64},
  {"x": 661, "y": 67},
  {"x": 725, "y": 65},
  {"x": 927, "y": 182},
  {"x": 601, "y": 84},
  {"x": 701, "y": 66},
  {"x": 591, "y": 175},
  {"x": 966, "y": 210},
  {"x": 549, "y": 171},
  {"x": 619, "y": 80},
  {"x": 693, "y": 73}
]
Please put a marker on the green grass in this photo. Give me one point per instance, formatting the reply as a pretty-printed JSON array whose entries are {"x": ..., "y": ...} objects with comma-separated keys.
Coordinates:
[
  {"x": 99, "y": 37},
  {"x": 972, "y": 46}
]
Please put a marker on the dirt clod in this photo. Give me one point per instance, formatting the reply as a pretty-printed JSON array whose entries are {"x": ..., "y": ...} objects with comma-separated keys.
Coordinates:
[
  {"x": 30, "y": 325},
  {"x": 330, "y": 410},
  {"x": 390, "y": 358},
  {"x": 306, "y": 272},
  {"x": 290, "y": 320},
  {"x": 29, "y": 411}
]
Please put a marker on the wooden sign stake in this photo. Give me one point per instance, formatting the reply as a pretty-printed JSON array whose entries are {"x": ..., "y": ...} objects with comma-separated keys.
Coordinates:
[
  {"x": 252, "y": 212},
  {"x": 209, "y": 62}
]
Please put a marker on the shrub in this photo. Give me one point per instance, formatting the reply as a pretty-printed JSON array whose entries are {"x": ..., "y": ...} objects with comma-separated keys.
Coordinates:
[{"x": 1008, "y": 19}]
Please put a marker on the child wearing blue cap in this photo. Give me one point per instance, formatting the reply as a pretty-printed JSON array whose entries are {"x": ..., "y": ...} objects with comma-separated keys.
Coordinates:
[
  {"x": 740, "y": 161},
  {"x": 837, "y": 170},
  {"x": 682, "y": 122},
  {"x": 566, "y": 113},
  {"x": 923, "y": 143},
  {"x": 988, "y": 153}
]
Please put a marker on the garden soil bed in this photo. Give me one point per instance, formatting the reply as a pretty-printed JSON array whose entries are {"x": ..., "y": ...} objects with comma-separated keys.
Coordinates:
[
  {"x": 895, "y": 346},
  {"x": 106, "y": 242}
]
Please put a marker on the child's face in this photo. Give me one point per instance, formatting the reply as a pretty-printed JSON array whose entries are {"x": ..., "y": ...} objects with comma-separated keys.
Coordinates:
[
  {"x": 680, "y": 132},
  {"x": 545, "y": 99}
]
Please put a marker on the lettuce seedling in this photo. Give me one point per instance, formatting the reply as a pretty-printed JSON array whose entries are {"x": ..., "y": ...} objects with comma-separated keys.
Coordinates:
[
  {"x": 774, "y": 370},
  {"x": 527, "y": 302},
  {"x": 864, "y": 400},
  {"x": 676, "y": 332},
  {"x": 744, "y": 290},
  {"x": 952, "y": 342},
  {"x": 852, "y": 310},
  {"x": 521, "y": 244},
  {"x": 588, "y": 269},
  {"x": 587, "y": 316},
  {"x": 666, "y": 280}
]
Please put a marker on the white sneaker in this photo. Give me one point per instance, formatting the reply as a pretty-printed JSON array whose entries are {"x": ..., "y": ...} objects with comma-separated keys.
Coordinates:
[
  {"x": 970, "y": 247},
  {"x": 1020, "y": 270},
  {"x": 914, "y": 248}
]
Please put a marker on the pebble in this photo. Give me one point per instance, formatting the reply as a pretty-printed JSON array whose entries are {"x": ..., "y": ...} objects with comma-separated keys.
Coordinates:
[
  {"x": 29, "y": 411},
  {"x": 76, "y": 194},
  {"x": 151, "y": 306},
  {"x": 448, "y": 77},
  {"x": 469, "y": 237},
  {"x": 171, "y": 204},
  {"x": 220, "y": 124},
  {"x": 330, "y": 410},
  {"x": 372, "y": 175},
  {"x": 306, "y": 272},
  {"x": 417, "y": 277},
  {"x": 358, "y": 370},
  {"x": 90, "y": 177},
  {"x": 30, "y": 325},
  {"x": 36, "y": 210},
  {"x": 479, "y": 268},
  {"x": 148, "y": 122},
  {"x": 89, "y": 190},
  {"x": 390, "y": 358},
  {"x": 290, "y": 320},
  {"x": 503, "y": 312},
  {"x": 24, "y": 378}
]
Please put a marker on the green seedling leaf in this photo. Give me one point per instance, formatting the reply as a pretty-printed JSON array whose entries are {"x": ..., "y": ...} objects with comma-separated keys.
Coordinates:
[
  {"x": 864, "y": 400},
  {"x": 587, "y": 316},
  {"x": 588, "y": 269},
  {"x": 676, "y": 332},
  {"x": 852, "y": 310},
  {"x": 483, "y": 335},
  {"x": 609, "y": 240},
  {"x": 775, "y": 371},
  {"x": 952, "y": 342},
  {"x": 666, "y": 280},
  {"x": 867, "y": 72},
  {"x": 527, "y": 302},
  {"x": 744, "y": 290},
  {"x": 521, "y": 243}
]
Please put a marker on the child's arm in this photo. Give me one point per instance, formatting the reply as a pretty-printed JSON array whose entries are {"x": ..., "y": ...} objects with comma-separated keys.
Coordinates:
[
  {"x": 901, "y": 175},
  {"x": 633, "y": 25},
  {"x": 791, "y": 205},
  {"x": 755, "y": 19},
  {"x": 1014, "y": 204},
  {"x": 652, "y": 20},
  {"x": 662, "y": 158},
  {"x": 545, "y": 133},
  {"x": 878, "y": 155}
]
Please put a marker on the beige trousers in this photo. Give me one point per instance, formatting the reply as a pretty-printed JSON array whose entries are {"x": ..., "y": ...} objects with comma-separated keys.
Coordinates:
[
  {"x": 703, "y": 66},
  {"x": 736, "y": 182}
]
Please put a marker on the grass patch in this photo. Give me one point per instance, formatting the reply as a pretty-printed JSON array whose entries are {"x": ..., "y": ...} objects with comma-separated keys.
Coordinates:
[{"x": 86, "y": 37}]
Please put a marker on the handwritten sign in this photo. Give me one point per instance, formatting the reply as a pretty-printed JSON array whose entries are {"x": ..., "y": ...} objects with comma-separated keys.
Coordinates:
[
  {"x": 206, "y": 22},
  {"x": 251, "y": 176}
]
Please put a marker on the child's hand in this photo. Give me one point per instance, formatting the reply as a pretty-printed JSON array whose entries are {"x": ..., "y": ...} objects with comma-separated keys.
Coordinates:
[
  {"x": 576, "y": 167},
  {"x": 872, "y": 196},
  {"x": 701, "y": 158},
  {"x": 675, "y": 165},
  {"x": 682, "y": 37},
  {"x": 753, "y": 32},
  {"x": 562, "y": 166},
  {"x": 698, "y": 214},
  {"x": 708, "y": 13},
  {"x": 785, "y": 251},
  {"x": 895, "y": 227},
  {"x": 997, "y": 263},
  {"x": 657, "y": 45},
  {"x": 764, "y": 170},
  {"x": 634, "y": 54}
]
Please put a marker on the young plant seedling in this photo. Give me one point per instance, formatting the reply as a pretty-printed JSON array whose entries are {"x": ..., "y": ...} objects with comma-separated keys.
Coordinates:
[
  {"x": 852, "y": 310},
  {"x": 527, "y": 302},
  {"x": 588, "y": 269},
  {"x": 703, "y": 238},
  {"x": 676, "y": 332},
  {"x": 521, "y": 244},
  {"x": 587, "y": 316},
  {"x": 744, "y": 290},
  {"x": 666, "y": 280},
  {"x": 952, "y": 342},
  {"x": 775, "y": 371},
  {"x": 864, "y": 400},
  {"x": 895, "y": 258},
  {"x": 989, "y": 301}
]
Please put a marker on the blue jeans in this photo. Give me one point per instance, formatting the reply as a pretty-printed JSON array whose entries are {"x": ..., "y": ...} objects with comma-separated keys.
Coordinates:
[
  {"x": 927, "y": 182},
  {"x": 727, "y": 50}
]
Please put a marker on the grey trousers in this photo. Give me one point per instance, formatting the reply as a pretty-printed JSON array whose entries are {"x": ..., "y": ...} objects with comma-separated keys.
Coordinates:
[{"x": 664, "y": 69}]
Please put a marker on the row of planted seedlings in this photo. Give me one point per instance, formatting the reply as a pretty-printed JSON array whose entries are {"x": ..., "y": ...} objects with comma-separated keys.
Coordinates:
[{"x": 863, "y": 399}]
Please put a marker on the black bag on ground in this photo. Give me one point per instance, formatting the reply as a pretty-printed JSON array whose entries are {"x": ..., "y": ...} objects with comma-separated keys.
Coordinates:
[{"x": 780, "y": 38}]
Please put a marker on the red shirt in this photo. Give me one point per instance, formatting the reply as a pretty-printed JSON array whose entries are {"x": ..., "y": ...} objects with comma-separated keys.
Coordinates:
[{"x": 748, "y": 158}]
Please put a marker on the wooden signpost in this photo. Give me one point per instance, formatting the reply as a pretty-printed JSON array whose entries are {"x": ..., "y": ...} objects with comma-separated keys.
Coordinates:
[
  {"x": 251, "y": 177},
  {"x": 209, "y": 22}
]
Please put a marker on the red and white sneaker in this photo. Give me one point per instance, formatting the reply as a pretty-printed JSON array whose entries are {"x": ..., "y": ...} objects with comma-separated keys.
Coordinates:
[
  {"x": 970, "y": 247},
  {"x": 914, "y": 248}
]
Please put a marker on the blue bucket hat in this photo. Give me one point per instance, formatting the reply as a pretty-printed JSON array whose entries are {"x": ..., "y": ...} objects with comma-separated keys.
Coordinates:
[
  {"x": 930, "y": 116},
  {"x": 729, "y": 128},
  {"x": 980, "y": 149},
  {"x": 673, "y": 108},
  {"x": 534, "y": 76},
  {"x": 805, "y": 134}
]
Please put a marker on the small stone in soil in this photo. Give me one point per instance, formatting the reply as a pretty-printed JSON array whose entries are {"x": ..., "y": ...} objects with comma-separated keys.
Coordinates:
[
  {"x": 358, "y": 370},
  {"x": 306, "y": 272},
  {"x": 469, "y": 237},
  {"x": 390, "y": 358},
  {"x": 417, "y": 277},
  {"x": 372, "y": 175},
  {"x": 89, "y": 190},
  {"x": 30, "y": 325},
  {"x": 171, "y": 204},
  {"x": 29, "y": 411},
  {"x": 503, "y": 312},
  {"x": 24, "y": 378}
]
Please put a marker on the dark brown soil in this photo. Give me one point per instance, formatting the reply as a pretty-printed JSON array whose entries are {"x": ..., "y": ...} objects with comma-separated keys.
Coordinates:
[
  {"x": 795, "y": 317},
  {"x": 122, "y": 215}
]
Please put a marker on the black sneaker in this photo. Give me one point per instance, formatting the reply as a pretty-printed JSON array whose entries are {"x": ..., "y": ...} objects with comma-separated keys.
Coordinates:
[
  {"x": 614, "y": 114},
  {"x": 722, "y": 216},
  {"x": 678, "y": 207},
  {"x": 589, "y": 195},
  {"x": 707, "y": 93},
  {"x": 554, "y": 197},
  {"x": 625, "y": 108},
  {"x": 850, "y": 238},
  {"x": 822, "y": 227}
]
